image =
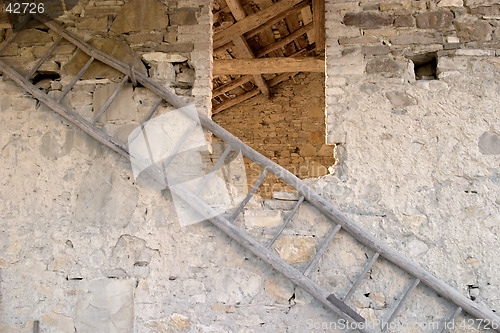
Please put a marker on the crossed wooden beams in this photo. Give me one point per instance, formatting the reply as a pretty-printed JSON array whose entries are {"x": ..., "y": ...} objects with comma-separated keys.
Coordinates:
[{"x": 254, "y": 65}]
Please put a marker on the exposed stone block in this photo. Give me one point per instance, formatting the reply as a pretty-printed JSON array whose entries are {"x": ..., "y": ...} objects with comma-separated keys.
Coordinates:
[
  {"x": 367, "y": 20},
  {"x": 185, "y": 16},
  {"x": 383, "y": 65},
  {"x": 417, "y": 38},
  {"x": 31, "y": 37},
  {"x": 476, "y": 3},
  {"x": 93, "y": 23},
  {"x": 489, "y": 143},
  {"x": 404, "y": 21},
  {"x": 258, "y": 218},
  {"x": 105, "y": 305},
  {"x": 288, "y": 196},
  {"x": 400, "y": 99},
  {"x": 359, "y": 40},
  {"x": 486, "y": 10},
  {"x": 375, "y": 49},
  {"x": 475, "y": 52},
  {"x": 295, "y": 249},
  {"x": 281, "y": 289},
  {"x": 450, "y": 3},
  {"x": 140, "y": 15},
  {"x": 440, "y": 19},
  {"x": 163, "y": 57},
  {"x": 112, "y": 47},
  {"x": 142, "y": 37},
  {"x": 470, "y": 30},
  {"x": 396, "y": 5},
  {"x": 278, "y": 204},
  {"x": 177, "y": 48}
]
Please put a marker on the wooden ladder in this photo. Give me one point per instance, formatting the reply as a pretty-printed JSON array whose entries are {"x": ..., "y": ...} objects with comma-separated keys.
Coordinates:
[{"x": 336, "y": 303}]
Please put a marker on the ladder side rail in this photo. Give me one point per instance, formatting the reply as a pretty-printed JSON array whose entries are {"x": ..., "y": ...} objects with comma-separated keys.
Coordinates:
[
  {"x": 267, "y": 256},
  {"x": 361, "y": 235},
  {"x": 365, "y": 238},
  {"x": 152, "y": 85},
  {"x": 63, "y": 111}
]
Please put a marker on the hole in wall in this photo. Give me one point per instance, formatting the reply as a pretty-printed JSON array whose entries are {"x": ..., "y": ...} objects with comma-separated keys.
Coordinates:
[
  {"x": 425, "y": 66},
  {"x": 46, "y": 76}
]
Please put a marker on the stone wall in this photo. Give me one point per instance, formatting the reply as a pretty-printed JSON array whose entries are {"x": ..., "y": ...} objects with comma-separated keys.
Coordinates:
[
  {"x": 169, "y": 40},
  {"x": 84, "y": 247},
  {"x": 412, "y": 99},
  {"x": 289, "y": 129}
]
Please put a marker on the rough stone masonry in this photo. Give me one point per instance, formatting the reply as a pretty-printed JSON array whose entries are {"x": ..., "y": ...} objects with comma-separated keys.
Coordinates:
[
  {"x": 413, "y": 93},
  {"x": 84, "y": 248}
]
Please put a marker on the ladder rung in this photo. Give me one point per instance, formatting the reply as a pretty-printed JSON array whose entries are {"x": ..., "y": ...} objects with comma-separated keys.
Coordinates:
[
  {"x": 288, "y": 219},
  {"x": 146, "y": 119},
  {"x": 75, "y": 80},
  {"x": 216, "y": 167},
  {"x": 361, "y": 276},
  {"x": 179, "y": 144},
  {"x": 345, "y": 308},
  {"x": 44, "y": 58},
  {"x": 231, "y": 218},
  {"x": 322, "y": 249},
  {"x": 400, "y": 305},
  {"x": 454, "y": 316},
  {"x": 110, "y": 100}
]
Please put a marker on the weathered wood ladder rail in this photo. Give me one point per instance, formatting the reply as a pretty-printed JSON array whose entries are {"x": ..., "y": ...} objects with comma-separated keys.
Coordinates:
[{"x": 225, "y": 223}]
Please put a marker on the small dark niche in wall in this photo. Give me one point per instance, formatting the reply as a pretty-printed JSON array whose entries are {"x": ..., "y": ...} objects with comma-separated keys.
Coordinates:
[{"x": 425, "y": 66}]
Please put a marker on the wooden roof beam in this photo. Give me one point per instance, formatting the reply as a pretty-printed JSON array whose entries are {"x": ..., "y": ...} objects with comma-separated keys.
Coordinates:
[
  {"x": 240, "y": 43},
  {"x": 268, "y": 66},
  {"x": 284, "y": 41},
  {"x": 231, "y": 85},
  {"x": 252, "y": 21},
  {"x": 318, "y": 7},
  {"x": 277, "y": 18},
  {"x": 234, "y": 101}
]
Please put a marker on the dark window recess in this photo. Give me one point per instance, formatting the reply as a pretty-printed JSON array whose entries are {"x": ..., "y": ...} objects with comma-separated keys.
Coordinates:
[
  {"x": 425, "y": 66},
  {"x": 45, "y": 76}
]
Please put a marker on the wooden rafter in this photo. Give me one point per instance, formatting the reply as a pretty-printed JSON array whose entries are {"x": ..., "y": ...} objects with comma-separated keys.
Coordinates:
[
  {"x": 252, "y": 21},
  {"x": 271, "y": 83},
  {"x": 268, "y": 66},
  {"x": 319, "y": 23},
  {"x": 276, "y": 19},
  {"x": 272, "y": 40},
  {"x": 236, "y": 100},
  {"x": 231, "y": 85},
  {"x": 284, "y": 41},
  {"x": 239, "y": 42}
]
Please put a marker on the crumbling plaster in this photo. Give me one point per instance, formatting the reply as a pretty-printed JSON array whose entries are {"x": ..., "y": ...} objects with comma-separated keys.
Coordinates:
[{"x": 417, "y": 160}]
